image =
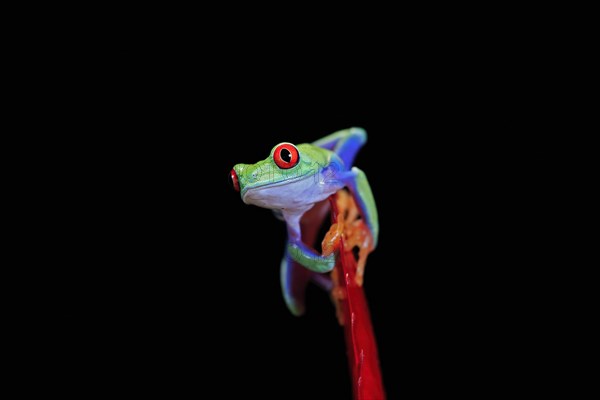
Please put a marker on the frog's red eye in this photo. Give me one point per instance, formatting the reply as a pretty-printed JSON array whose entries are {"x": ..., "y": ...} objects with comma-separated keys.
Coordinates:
[
  {"x": 234, "y": 180},
  {"x": 286, "y": 156}
]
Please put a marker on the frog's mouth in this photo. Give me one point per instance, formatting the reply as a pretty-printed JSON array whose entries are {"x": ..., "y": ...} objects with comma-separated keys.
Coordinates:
[{"x": 250, "y": 193}]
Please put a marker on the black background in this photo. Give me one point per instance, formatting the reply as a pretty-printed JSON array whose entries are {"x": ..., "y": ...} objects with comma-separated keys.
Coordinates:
[
  {"x": 161, "y": 275},
  {"x": 150, "y": 275}
]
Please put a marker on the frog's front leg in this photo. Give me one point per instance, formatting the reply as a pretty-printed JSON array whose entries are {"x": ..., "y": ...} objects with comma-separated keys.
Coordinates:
[
  {"x": 294, "y": 276},
  {"x": 300, "y": 252}
]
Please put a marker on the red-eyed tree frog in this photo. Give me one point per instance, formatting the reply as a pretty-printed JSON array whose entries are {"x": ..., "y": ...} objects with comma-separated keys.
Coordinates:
[{"x": 295, "y": 182}]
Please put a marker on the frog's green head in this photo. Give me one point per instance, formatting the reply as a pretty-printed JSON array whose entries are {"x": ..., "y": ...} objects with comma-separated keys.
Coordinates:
[{"x": 286, "y": 165}]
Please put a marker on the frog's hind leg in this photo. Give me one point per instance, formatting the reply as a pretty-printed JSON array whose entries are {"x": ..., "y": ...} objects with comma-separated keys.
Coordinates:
[
  {"x": 345, "y": 143},
  {"x": 294, "y": 278},
  {"x": 357, "y": 182}
]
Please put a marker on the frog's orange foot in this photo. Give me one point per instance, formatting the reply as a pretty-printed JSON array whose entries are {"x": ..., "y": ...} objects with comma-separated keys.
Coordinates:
[
  {"x": 359, "y": 236},
  {"x": 333, "y": 238},
  {"x": 355, "y": 231}
]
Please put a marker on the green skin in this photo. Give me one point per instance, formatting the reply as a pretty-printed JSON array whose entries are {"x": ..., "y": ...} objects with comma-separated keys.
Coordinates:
[{"x": 323, "y": 168}]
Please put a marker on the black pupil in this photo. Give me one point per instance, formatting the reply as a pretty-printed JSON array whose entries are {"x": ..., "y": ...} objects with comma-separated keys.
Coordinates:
[{"x": 286, "y": 155}]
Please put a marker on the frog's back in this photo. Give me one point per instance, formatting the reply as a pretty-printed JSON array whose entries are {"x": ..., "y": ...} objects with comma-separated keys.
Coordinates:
[{"x": 319, "y": 155}]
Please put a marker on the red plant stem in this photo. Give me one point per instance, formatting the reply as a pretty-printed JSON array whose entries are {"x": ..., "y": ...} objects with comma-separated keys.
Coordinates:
[{"x": 360, "y": 339}]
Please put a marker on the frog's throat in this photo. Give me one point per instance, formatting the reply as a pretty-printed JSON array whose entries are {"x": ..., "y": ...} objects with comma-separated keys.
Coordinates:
[{"x": 250, "y": 189}]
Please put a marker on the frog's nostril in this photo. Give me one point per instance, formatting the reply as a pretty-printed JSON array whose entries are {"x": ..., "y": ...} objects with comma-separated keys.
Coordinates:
[{"x": 234, "y": 180}]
